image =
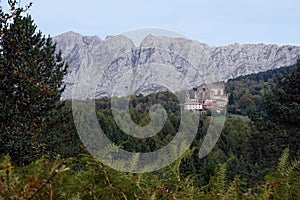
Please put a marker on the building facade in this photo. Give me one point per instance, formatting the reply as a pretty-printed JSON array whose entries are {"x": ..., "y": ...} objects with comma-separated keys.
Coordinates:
[{"x": 207, "y": 97}]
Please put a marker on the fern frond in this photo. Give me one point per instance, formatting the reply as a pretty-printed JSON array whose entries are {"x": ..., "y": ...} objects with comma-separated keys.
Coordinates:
[
  {"x": 153, "y": 196},
  {"x": 292, "y": 166},
  {"x": 134, "y": 162},
  {"x": 283, "y": 161},
  {"x": 221, "y": 181},
  {"x": 285, "y": 167},
  {"x": 234, "y": 189}
]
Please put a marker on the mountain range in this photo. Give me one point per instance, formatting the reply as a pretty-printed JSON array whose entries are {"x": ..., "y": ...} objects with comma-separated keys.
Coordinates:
[{"x": 109, "y": 67}]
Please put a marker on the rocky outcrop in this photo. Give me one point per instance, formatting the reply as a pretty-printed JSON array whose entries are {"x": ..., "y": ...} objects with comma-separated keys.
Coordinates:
[{"x": 115, "y": 66}]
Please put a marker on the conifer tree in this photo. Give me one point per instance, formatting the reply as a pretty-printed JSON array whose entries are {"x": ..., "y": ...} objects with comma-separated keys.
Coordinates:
[
  {"x": 283, "y": 102},
  {"x": 31, "y": 84}
]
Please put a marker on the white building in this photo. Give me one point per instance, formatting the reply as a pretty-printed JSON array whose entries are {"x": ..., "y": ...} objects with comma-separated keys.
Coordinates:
[{"x": 192, "y": 104}]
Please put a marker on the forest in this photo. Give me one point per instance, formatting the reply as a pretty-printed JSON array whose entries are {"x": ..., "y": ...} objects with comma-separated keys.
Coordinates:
[{"x": 42, "y": 156}]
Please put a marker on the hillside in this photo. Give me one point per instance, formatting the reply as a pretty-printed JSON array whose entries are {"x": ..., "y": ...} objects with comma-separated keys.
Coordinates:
[{"x": 245, "y": 92}]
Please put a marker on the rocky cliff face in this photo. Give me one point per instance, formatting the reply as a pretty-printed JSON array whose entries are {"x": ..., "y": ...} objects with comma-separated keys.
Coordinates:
[{"x": 115, "y": 66}]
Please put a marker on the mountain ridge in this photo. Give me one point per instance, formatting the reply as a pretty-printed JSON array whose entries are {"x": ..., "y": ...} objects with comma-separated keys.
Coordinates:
[{"x": 196, "y": 62}]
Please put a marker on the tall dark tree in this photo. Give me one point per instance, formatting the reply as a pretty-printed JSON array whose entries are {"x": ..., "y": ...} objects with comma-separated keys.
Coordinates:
[{"x": 31, "y": 84}]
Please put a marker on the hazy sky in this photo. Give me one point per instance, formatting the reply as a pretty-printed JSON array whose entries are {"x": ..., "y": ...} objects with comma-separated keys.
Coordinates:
[{"x": 215, "y": 22}]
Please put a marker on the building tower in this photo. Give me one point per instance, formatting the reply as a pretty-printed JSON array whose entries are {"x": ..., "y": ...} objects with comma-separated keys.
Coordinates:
[
  {"x": 203, "y": 95},
  {"x": 187, "y": 96}
]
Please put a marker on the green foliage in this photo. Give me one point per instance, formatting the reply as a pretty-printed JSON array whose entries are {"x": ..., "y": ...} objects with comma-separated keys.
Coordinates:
[
  {"x": 270, "y": 99},
  {"x": 282, "y": 183},
  {"x": 33, "y": 120},
  {"x": 282, "y": 103},
  {"x": 36, "y": 127},
  {"x": 221, "y": 188},
  {"x": 245, "y": 92},
  {"x": 139, "y": 112},
  {"x": 240, "y": 136},
  {"x": 86, "y": 178}
]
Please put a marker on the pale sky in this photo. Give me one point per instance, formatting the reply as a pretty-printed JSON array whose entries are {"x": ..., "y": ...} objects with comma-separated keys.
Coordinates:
[{"x": 215, "y": 22}]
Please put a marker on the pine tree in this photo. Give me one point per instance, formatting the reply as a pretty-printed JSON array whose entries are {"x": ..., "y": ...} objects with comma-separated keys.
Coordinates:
[{"x": 31, "y": 76}]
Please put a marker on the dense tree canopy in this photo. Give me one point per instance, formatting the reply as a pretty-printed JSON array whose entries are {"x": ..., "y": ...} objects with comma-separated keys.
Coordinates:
[{"x": 282, "y": 103}]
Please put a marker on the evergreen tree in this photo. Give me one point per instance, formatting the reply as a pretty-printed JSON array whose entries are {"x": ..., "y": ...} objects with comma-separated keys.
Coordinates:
[
  {"x": 283, "y": 102},
  {"x": 31, "y": 75}
]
